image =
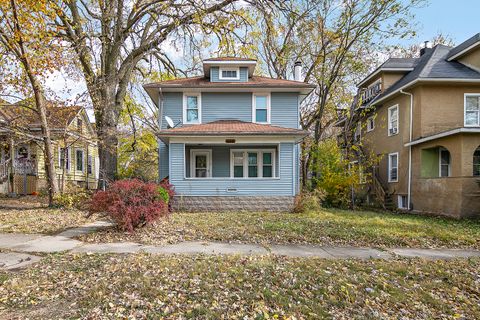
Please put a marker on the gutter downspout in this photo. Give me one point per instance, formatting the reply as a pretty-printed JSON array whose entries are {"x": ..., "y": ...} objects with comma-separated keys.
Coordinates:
[{"x": 409, "y": 187}]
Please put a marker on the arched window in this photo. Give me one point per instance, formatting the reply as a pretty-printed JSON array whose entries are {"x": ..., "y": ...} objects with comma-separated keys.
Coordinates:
[{"x": 476, "y": 162}]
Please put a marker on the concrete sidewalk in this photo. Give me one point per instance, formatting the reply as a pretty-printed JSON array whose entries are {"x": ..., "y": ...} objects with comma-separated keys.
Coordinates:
[{"x": 63, "y": 242}]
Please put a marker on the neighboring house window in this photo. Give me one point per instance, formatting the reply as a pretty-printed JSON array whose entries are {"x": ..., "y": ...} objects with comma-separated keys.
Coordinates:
[
  {"x": 358, "y": 132},
  {"x": 370, "y": 123},
  {"x": 444, "y": 164},
  {"x": 79, "y": 125},
  {"x": 476, "y": 162},
  {"x": 402, "y": 202},
  {"x": 229, "y": 74},
  {"x": 79, "y": 159},
  {"x": 261, "y": 108},
  {"x": 393, "y": 167},
  {"x": 253, "y": 164},
  {"x": 472, "y": 110},
  {"x": 22, "y": 152},
  {"x": 64, "y": 158},
  {"x": 192, "y": 108},
  {"x": 393, "y": 120},
  {"x": 89, "y": 164}
]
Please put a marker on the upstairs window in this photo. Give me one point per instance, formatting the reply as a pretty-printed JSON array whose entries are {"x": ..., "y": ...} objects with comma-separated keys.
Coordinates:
[
  {"x": 472, "y": 110},
  {"x": 79, "y": 125},
  {"x": 370, "y": 123},
  {"x": 393, "y": 120},
  {"x": 229, "y": 74},
  {"x": 261, "y": 108},
  {"x": 192, "y": 108}
]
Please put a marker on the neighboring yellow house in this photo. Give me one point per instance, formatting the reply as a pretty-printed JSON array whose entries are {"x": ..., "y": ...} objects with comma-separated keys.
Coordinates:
[{"x": 75, "y": 149}]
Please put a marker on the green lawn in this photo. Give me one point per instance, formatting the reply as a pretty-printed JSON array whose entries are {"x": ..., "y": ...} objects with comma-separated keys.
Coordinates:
[
  {"x": 325, "y": 227},
  {"x": 201, "y": 287}
]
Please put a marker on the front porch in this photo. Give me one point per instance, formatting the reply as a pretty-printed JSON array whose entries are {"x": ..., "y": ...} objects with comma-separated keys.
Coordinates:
[{"x": 198, "y": 169}]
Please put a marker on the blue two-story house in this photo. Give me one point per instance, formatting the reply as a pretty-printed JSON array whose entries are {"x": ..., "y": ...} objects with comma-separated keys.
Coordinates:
[{"x": 235, "y": 140}]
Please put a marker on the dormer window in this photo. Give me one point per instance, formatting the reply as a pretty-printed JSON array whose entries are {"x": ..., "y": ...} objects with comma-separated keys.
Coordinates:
[
  {"x": 229, "y": 74},
  {"x": 192, "y": 108}
]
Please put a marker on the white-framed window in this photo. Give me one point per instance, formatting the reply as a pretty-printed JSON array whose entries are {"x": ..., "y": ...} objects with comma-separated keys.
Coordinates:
[
  {"x": 89, "y": 164},
  {"x": 261, "y": 108},
  {"x": 192, "y": 108},
  {"x": 402, "y": 202},
  {"x": 64, "y": 158},
  {"x": 472, "y": 109},
  {"x": 229, "y": 74},
  {"x": 201, "y": 163},
  {"x": 79, "y": 159},
  {"x": 393, "y": 167},
  {"x": 370, "y": 123},
  {"x": 252, "y": 163},
  {"x": 393, "y": 120},
  {"x": 444, "y": 162},
  {"x": 357, "y": 135}
]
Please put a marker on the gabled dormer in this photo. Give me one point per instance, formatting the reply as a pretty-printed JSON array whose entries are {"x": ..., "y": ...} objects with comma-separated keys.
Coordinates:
[
  {"x": 229, "y": 69},
  {"x": 467, "y": 53}
]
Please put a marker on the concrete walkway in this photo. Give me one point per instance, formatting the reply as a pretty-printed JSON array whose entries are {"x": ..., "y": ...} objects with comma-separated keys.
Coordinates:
[{"x": 64, "y": 242}]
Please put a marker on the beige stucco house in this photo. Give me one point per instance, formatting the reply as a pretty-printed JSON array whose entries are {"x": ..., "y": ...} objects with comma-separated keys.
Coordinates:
[
  {"x": 22, "y": 166},
  {"x": 420, "y": 117}
]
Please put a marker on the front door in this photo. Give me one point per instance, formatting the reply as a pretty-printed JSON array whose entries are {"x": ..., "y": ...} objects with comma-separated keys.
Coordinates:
[{"x": 201, "y": 164}]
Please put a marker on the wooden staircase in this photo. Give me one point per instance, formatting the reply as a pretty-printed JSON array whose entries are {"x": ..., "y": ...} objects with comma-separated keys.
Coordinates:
[{"x": 384, "y": 198}]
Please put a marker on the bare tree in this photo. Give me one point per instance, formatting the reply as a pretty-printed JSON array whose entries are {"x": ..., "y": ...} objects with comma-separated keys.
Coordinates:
[{"x": 111, "y": 39}]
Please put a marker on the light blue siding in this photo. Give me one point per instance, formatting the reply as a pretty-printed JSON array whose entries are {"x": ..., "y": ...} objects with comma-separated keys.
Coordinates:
[
  {"x": 215, "y": 75},
  {"x": 172, "y": 107},
  {"x": 162, "y": 160},
  {"x": 222, "y": 105},
  {"x": 284, "y": 109},
  {"x": 282, "y": 186}
]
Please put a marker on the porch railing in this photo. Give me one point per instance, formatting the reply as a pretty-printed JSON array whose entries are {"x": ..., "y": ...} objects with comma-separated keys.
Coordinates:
[{"x": 4, "y": 170}]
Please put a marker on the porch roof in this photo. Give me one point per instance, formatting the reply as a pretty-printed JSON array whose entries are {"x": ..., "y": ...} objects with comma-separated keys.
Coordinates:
[{"x": 232, "y": 128}]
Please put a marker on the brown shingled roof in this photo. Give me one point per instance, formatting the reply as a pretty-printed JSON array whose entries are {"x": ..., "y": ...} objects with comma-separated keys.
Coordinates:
[
  {"x": 231, "y": 127},
  {"x": 58, "y": 117},
  {"x": 229, "y": 59},
  {"x": 255, "y": 81}
]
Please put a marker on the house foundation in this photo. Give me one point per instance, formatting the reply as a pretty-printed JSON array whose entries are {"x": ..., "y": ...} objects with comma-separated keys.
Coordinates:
[{"x": 232, "y": 203}]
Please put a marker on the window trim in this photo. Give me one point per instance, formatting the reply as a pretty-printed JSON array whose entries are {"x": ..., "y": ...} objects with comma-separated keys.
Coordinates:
[
  {"x": 389, "y": 122},
  {"x": 76, "y": 160},
  {"x": 254, "y": 107},
  {"x": 260, "y": 153},
  {"x": 440, "y": 149},
  {"x": 368, "y": 123},
  {"x": 199, "y": 107},
  {"x": 221, "y": 69},
  {"x": 209, "y": 162},
  {"x": 389, "y": 167},
  {"x": 69, "y": 163},
  {"x": 400, "y": 201},
  {"x": 465, "y": 110}
]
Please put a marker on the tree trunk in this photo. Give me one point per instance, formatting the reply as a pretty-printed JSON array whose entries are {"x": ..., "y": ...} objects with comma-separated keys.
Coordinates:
[{"x": 107, "y": 152}]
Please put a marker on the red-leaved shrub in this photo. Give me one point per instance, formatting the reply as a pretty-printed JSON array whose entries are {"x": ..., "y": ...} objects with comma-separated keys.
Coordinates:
[{"x": 132, "y": 203}]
